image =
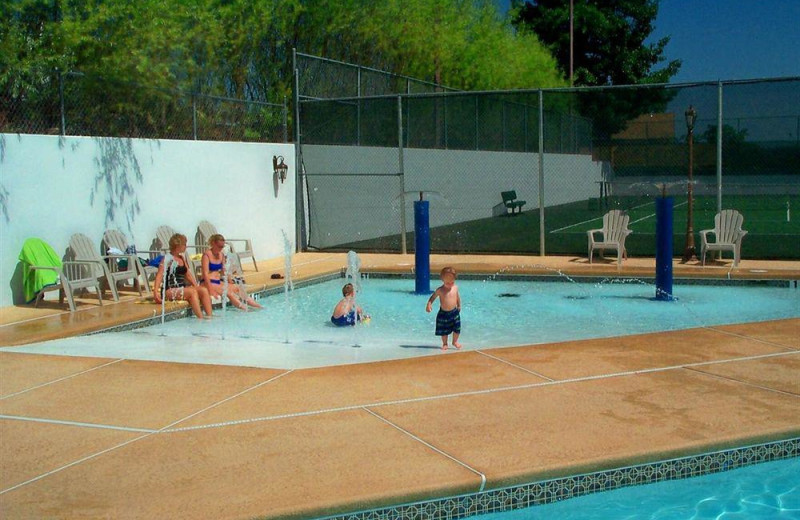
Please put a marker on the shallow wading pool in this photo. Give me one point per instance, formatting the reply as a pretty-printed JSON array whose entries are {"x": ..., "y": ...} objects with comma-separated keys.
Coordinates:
[{"x": 294, "y": 330}]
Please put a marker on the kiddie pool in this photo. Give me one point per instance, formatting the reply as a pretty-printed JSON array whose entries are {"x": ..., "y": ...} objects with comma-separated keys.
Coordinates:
[{"x": 294, "y": 330}]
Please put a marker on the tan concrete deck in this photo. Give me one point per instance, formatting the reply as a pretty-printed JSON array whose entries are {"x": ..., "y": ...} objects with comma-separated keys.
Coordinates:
[{"x": 115, "y": 438}]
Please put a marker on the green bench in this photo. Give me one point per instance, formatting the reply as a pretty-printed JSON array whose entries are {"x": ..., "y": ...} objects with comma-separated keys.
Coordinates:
[{"x": 511, "y": 203}]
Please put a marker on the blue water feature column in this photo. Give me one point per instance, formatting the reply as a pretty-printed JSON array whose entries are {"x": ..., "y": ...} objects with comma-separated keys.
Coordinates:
[
  {"x": 422, "y": 249},
  {"x": 664, "y": 248}
]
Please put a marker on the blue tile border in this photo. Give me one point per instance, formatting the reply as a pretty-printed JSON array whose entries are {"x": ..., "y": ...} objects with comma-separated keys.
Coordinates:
[{"x": 556, "y": 490}]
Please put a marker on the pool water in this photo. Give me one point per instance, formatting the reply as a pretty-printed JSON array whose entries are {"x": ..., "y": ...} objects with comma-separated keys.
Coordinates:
[
  {"x": 295, "y": 331},
  {"x": 502, "y": 313},
  {"x": 768, "y": 491}
]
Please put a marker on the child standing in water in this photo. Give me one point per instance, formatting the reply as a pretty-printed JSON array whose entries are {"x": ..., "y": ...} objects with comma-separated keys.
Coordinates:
[{"x": 448, "y": 320}]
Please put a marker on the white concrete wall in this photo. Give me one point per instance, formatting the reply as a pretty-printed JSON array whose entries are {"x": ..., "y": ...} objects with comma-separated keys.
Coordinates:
[
  {"x": 52, "y": 187},
  {"x": 467, "y": 185}
]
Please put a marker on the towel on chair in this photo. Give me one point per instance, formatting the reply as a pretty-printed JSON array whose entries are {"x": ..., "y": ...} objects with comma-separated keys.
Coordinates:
[{"x": 36, "y": 251}]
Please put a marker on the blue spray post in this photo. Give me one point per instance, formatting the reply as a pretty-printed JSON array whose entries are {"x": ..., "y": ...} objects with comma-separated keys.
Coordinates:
[
  {"x": 664, "y": 246},
  {"x": 422, "y": 249}
]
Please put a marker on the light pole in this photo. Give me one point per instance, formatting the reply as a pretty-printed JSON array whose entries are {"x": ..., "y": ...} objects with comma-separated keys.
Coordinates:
[
  {"x": 571, "y": 36},
  {"x": 689, "y": 253}
]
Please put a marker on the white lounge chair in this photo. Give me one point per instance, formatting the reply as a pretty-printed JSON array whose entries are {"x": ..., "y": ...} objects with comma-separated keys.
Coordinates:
[
  {"x": 245, "y": 248},
  {"x": 164, "y": 233},
  {"x": 82, "y": 248},
  {"x": 116, "y": 239},
  {"x": 613, "y": 234},
  {"x": 67, "y": 276},
  {"x": 728, "y": 235}
]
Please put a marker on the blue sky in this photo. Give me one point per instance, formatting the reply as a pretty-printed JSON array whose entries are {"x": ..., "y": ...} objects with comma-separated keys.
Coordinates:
[{"x": 729, "y": 39}]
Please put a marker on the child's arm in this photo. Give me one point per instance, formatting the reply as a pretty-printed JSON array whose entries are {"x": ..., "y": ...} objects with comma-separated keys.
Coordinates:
[
  {"x": 431, "y": 300},
  {"x": 458, "y": 300}
]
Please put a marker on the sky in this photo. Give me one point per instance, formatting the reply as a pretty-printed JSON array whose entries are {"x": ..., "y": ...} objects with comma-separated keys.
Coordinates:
[{"x": 729, "y": 39}]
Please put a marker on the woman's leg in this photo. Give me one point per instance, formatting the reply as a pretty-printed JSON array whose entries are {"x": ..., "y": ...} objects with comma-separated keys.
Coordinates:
[
  {"x": 190, "y": 294},
  {"x": 242, "y": 294},
  {"x": 205, "y": 299},
  {"x": 233, "y": 296}
]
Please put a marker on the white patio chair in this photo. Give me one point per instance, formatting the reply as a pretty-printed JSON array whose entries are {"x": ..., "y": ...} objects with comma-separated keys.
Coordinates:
[
  {"x": 82, "y": 248},
  {"x": 245, "y": 248},
  {"x": 67, "y": 276},
  {"x": 728, "y": 235},
  {"x": 116, "y": 239},
  {"x": 613, "y": 234},
  {"x": 164, "y": 233}
]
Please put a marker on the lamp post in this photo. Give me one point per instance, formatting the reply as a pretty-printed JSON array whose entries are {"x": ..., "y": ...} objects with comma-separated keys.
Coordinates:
[{"x": 689, "y": 253}]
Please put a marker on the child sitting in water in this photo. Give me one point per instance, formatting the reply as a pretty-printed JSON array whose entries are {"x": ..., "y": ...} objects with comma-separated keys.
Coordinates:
[
  {"x": 448, "y": 320},
  {"x": 346, "y": 312}
]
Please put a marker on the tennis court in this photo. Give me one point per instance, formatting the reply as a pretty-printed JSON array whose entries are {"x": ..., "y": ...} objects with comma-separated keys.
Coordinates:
[{"x": 772, "y": 223}]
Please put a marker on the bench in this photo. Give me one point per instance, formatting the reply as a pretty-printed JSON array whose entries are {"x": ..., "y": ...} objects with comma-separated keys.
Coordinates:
[{"x": 511, "y": 203}]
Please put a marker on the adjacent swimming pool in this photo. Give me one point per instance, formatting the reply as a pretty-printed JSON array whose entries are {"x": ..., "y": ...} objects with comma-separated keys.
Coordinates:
[
  {"x": 295, "y": 331},
  {"x": 767, "y": 491}
]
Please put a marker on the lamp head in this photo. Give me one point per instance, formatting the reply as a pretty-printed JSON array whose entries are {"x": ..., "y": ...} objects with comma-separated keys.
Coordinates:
[
  {"x": 279, "y": 167},
  {"x": 691, "y": 116}
]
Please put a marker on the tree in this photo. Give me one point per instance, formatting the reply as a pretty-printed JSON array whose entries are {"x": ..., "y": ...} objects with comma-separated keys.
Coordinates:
[
  {"x": 609, "y": 49},
  {"x": 242, "y": 49},
  {"x": 608, "y": 39}
]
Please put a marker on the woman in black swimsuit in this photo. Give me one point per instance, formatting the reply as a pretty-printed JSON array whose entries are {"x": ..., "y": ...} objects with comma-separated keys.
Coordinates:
[{"x": 180, "y": 282}]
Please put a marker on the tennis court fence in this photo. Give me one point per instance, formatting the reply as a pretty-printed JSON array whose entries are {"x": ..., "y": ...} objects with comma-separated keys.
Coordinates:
[{"x": 569, "y": 154}]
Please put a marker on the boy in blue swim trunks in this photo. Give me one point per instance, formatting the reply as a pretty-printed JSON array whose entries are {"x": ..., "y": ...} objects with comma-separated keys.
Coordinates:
[
  {"x": 345, "y": 312},
  {"x": 448, "y": 320}
]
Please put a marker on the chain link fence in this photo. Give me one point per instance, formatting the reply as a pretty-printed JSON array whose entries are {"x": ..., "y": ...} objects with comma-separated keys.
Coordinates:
[
  {"x": 78, "y": 104},
  {"x": 366, "y": 158}
]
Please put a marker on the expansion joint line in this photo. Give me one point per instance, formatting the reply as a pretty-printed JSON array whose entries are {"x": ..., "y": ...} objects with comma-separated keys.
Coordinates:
[
  {"x": 746, "y": 383},
  {"x": 234, "y": 396},
  {"x": 471, "y": 393},
  {"x": 742, "y": 336},
  {"x": 537, "y": 374},
  {"x": 429, "y": 445},
  {"x": 61, "y": 379},
  {"x": 130, "y": 441}
]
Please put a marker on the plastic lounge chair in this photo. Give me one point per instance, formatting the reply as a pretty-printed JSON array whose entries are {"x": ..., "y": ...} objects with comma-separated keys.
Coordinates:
[
  {"x": 511, "y": 203},
  {"x": 614, "y": 231},
  {"x": 728, "y": 235},
  {"x": 44, "y": 271},
  {"x": 245, "y": 250},
  {"x": 81, "y": 248},
  {"x": 116, "y": 239},
  {"x": 164, "y": 233}
]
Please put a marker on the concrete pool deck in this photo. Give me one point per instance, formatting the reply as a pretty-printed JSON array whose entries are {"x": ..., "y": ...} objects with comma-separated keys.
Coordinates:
[{"x": 90, "y": 438}]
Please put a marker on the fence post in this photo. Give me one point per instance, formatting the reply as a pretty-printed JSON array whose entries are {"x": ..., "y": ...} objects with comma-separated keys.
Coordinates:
[
  {"x": 541, "y": 172},
  {"x": 61, "y": 102},
  {"x": 403, "y": 247},
  {"x": 719, "y": 146},
  {"x": 194, "y": 116},
  {"x": 477, "y": 125},
  {"x": 285, "y": 121},
  {"x": 302, "y": 223},
  {"x": 358, "y": 108}
]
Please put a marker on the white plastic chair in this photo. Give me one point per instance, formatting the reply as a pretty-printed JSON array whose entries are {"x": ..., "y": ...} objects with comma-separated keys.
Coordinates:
[
  {"x": 613, "y": 234},
  {"x": 245, "y": 250},
  {"x": 116, "y": 239},
  {"x": 72, "y": 275},
  {"x": 82, "y": 248},
  {"x": 728, "y": 234}
]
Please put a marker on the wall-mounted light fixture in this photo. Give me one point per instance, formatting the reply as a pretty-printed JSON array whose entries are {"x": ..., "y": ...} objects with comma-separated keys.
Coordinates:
[{"x": 280, "y": 168}]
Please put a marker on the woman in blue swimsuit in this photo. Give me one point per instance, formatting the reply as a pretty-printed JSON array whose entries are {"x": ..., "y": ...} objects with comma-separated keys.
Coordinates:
[{"x": 213, "y": 271}]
